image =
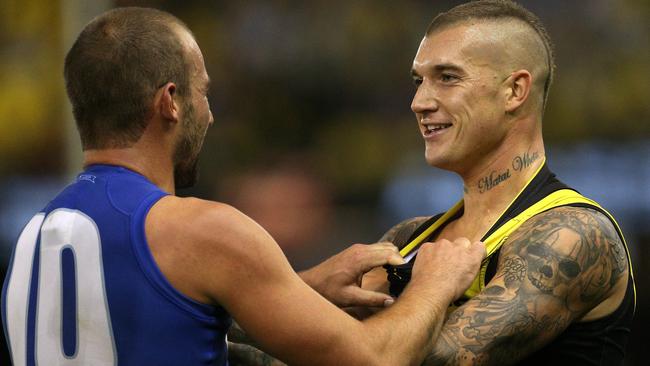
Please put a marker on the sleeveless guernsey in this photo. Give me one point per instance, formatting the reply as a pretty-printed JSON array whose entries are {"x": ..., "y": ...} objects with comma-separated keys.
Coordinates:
[{"x": 84, "y": 289}]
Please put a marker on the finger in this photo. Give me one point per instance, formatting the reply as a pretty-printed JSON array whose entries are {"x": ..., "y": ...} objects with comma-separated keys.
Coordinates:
[
  {"x": 376, "y": 258},
  {"x": 361, "y": 297},
  {"x": 396, "y": 260},
  {"x": 384, "y": 245}
]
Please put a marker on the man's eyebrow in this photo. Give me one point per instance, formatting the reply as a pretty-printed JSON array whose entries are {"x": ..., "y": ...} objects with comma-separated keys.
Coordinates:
[
  {"x": 440, "y": 68},
  {"x": 448, "y": 67}
]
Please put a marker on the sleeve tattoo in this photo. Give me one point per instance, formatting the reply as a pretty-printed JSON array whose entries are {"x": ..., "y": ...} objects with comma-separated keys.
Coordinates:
[
  {"x": 243, "y": 350},
  {"x": 245, "y": 355},
  {"x": 553, "y": 270}
]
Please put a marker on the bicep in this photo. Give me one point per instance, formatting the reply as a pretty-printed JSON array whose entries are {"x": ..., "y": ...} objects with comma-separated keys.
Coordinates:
[
  {"x": 253, "y": 280},
  {"x": 551, "y": 271}
]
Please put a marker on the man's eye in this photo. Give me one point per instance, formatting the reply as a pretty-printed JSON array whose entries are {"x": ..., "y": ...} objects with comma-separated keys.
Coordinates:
[
  {"x": 417, "y": 82},
  {"x": 447, "y": 78}
]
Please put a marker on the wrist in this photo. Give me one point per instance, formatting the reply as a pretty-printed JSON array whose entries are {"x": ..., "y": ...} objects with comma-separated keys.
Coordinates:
[
  {"x": 308, "y": 277},
  {"x": 438, "y": 290}
]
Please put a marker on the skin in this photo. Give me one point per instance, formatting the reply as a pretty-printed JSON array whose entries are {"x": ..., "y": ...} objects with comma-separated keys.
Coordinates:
[
  {"x": 562, "y": 266},
  {"x": 216, "y": 255}
]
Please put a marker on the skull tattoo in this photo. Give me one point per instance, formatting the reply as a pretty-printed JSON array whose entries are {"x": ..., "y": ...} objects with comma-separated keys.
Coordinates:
[{"x": 548, "y": 265}]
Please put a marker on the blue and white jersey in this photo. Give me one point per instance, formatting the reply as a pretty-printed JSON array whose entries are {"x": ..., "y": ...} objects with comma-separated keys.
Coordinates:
[{"x": 83, "y": 288}]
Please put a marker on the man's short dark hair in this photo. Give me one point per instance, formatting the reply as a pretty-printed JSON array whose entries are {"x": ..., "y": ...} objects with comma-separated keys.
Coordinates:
[
  {"x": 499, "y": 10},
  {"x": 113, "y": 70}
]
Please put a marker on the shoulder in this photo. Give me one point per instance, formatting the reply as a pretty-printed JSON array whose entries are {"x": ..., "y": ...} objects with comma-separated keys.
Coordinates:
[
  {"x": 197, "y": 243},
  {"x": 568, "y": 249},
  {"x": 573, "y": 225},
  {"x": 400, "y": 233},
  {"x": 203, "y": 222}
]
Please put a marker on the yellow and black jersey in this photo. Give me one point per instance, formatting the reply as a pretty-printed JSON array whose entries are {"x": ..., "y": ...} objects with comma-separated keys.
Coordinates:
[{"x": 599, "y": 342}]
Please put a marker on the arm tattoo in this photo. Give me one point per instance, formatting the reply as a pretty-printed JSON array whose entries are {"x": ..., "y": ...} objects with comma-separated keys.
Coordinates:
[
  {"x": 553, "y": 270},
  {"x": 245, "y": 355},
  {"x": 400, "y": 233},
  {"x": 243, "y": 350},
  {"x": 238, "y": 335}
]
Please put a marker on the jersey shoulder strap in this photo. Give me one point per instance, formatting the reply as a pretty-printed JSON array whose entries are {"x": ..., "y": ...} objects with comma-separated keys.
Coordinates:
[{"x": 562, "y": 197}]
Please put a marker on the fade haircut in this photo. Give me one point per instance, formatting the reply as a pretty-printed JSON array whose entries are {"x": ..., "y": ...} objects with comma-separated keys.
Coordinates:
[
  {"x": 500, "y": 10},
  {"x": 114, "y": 68}
]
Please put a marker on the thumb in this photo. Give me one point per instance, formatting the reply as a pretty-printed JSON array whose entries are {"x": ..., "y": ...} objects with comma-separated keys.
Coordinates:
[
  {"x": 396, "y": 260},
  {"x": 360, "y": 297}
]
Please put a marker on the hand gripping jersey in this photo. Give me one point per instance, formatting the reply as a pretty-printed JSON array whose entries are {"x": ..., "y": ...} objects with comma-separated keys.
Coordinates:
[
  {"x": 598, "y": 342},
  {"x": 83, "y": 288}
]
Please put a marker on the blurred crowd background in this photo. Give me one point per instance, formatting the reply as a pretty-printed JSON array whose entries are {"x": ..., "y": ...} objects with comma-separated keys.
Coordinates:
[{"x": 313, "y": 134}]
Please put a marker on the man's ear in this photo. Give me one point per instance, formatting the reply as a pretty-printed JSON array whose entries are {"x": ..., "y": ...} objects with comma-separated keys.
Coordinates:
[
  {"x": 518, "y": 87},
  {"x": 167, "y": 102}
]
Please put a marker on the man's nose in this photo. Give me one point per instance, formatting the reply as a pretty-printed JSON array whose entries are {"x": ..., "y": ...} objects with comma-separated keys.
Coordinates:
[{"x": 424, "y": 99}]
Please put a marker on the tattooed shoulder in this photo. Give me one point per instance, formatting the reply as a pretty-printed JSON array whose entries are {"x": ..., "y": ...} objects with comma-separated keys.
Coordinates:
[
  {"x": 566, "y": 251},
  {"x": 554, "y": 269},
  {"x": 400, "y": 233}
]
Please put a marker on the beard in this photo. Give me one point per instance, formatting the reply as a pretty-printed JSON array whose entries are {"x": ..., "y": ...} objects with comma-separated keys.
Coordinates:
[{"x": 188, "y": 147}]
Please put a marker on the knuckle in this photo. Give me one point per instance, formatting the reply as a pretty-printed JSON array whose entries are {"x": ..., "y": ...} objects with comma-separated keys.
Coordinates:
[
  {"x": 357, "y": 247},
  {"x": 463, "y": 241},
  {"x": 425, "y": 247},
  {"x": 444, "y": 243}
]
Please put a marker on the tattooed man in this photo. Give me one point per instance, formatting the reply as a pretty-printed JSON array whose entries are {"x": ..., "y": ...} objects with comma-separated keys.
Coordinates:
[{"x": 557, "y": 285}]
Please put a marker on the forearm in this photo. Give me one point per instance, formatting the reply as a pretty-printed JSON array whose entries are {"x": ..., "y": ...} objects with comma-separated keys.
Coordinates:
[
  {"x": 413, "y": 332},
  {"x": 308, "y": 277},
  {"x": 494, "y": 328},
  {"x": 422, "y": 306}
]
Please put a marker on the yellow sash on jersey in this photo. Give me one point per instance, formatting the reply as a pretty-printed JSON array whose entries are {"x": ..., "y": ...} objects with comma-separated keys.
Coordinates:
[{"x": 493, "y": 242}]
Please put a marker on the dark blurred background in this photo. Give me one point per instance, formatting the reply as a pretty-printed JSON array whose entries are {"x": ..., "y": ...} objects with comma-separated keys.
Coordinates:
[{"x": 313, "y": 135}]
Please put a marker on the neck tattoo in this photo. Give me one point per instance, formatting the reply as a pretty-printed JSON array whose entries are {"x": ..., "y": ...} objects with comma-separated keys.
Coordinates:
[
  {"x": 519, "y": 163},
  {"x": 494, "y": 179}
]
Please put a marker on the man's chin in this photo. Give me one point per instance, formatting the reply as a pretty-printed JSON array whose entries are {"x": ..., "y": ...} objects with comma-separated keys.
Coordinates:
[
  {"x": 440, "y": 162},
  {"x": 433, "y": 160}
]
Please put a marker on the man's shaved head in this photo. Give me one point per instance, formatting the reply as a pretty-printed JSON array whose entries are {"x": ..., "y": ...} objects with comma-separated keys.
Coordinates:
[{"x": 517, "y": 38}]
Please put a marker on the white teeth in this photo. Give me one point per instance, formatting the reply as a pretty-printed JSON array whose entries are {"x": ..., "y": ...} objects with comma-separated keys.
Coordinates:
[{"x": 436, "y": 127}]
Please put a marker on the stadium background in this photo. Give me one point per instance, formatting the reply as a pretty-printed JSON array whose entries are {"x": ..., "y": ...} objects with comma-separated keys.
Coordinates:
[{"x": 313, "y": 135}]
